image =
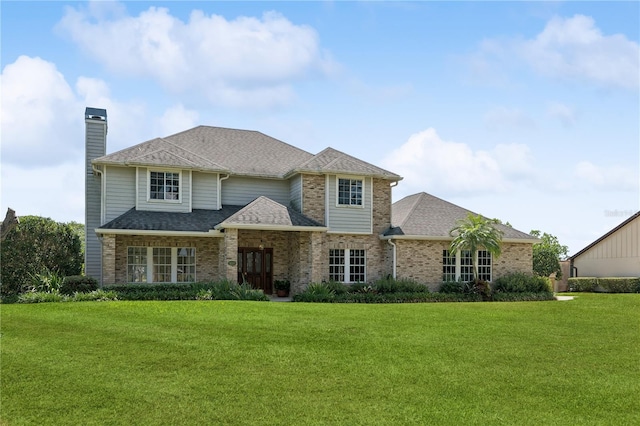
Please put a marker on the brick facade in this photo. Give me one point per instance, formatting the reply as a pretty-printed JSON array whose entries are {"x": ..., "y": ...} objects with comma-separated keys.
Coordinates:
[
  {"x": 421, "y": 260},
  {"x": 313, "y": 197},
  {"x": 207, "y": 255}
]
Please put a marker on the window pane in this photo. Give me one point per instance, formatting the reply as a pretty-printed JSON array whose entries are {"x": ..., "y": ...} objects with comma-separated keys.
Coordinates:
[
  {"x": 484, "y": 265},
  {"x": 336, "y": 265},
  {"x": 137, "y": 264},
  {"x": 161, "y": 264},
  {"x": 186, "y": 264},
  {"x": 466, "y": 266},
  {"x": 357, "y": 266}
]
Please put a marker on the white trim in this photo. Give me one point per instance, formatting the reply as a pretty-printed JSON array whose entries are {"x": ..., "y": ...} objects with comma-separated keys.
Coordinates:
[
  {"x": 164, "y": 170},
  {"x": 137, "y": 187},
  {"x": 220, "y": 179},
  {"x": 371, "y": 209},
  {"x": 348, "y": 233},
  {"x": 364, "y": 191},
  {"x": 103, "y": 195},
  {"x": 211, "y": 233},
  {"x": 264, "y": 227},
  {"x": 327, "y": 182},
  {"x": 190, "y": 191}
]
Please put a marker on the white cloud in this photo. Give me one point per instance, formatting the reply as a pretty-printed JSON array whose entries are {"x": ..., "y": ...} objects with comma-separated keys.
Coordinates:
[
  {"x": 608, "y": 178},
  {"x": 575, "y": 47},
  {"x": 562, "y": 112},
  {"x": 237, "y": 62},
  {"x": 429, "y": 163},
  {"x": 39, "y": 109},
  {"x": 567, "y": 48}
]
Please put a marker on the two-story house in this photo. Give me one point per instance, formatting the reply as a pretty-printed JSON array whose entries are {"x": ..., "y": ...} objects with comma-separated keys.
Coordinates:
[{"x": 214, "y": 203}]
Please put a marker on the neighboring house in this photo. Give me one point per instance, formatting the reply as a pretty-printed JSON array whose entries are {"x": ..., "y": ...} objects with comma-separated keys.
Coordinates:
[
  {"x": 615, "y": 254},
  {"x": 213, "y": 203}
]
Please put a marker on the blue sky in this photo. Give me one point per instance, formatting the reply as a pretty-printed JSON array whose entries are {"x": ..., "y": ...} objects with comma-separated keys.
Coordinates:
[{"x": 523, "y": 111}]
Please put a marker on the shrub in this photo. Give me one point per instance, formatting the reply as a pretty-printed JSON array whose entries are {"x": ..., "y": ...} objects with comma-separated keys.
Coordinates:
[
  {"x": 35, "y": 246},
  {"x": 218, "y": 290},
  {"x": 585, "y": 284},
  {"x": 46, "y": 282},
  {"x": 41, "y": 297},
  {"x": 620, "y": 285},
  {"x": 337, "y": 287},
  {"x": 78, "y": 284},
  {"x": 523, "y": 296},
  {"x": 315, "y": 292},
  {"x": 519, "y": 282},
  {"x": 94, "y": 296},
  {"x": 453, "y": 287}
]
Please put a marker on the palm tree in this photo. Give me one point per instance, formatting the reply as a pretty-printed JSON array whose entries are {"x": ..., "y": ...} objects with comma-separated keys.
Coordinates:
[{"x": 473, "y": 233}]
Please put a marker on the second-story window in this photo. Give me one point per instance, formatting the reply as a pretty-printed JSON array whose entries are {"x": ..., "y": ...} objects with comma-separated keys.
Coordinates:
[
  {"x": 164, "y": 186},
  {"x": 349, "y": 192}
]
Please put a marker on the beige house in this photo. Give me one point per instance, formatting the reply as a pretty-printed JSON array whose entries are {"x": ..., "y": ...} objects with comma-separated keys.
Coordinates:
[
  {"x": 213, "y": 203},
  {"x": 615, "y": 254}
]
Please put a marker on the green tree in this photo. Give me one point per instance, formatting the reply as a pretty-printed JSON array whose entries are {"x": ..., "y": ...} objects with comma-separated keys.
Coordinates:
[
  {"x": 473, "y": 233},
  {"x": 547, "y": 254},
  {"x": 35, "y": 246}
]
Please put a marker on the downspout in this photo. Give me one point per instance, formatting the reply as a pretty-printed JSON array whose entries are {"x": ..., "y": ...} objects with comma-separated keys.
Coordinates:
[
  {"x": 220, "y": 179},
  {"x": 393, "y": 257}
]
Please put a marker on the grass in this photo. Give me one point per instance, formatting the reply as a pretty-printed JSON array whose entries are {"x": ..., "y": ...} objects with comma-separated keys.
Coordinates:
[{"x": 226, "y": 362}]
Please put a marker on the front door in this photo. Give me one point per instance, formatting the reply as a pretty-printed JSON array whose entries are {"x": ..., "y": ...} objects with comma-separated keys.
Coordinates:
[{"x": 255, "y": 267}]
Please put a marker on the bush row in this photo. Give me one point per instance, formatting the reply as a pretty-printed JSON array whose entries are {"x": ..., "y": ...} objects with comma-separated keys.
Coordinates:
[
  {"x": 515, "y": 287},
  {"x": 220, "y": 290},
  {"x": 606, "y": 284},
  {"x": 57, "y": 296}
]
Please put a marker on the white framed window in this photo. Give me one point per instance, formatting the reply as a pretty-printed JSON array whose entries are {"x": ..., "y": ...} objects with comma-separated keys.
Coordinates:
[
  {"x": 459, "y": 267},
  {"x": 448, "y": 266},
  {"x": 347, "y": 265},
  {"x": 350, "y": 192},
  {"x": 161, "y": 264},
  {"x": 164, "y": 185}
]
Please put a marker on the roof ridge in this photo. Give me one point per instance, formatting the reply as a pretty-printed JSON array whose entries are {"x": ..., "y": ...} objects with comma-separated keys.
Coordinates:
[{"x": 193, "y": 153}]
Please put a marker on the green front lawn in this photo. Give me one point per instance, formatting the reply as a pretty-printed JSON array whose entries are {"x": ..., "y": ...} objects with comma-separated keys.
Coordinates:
[{"x": 221, "y": 362}]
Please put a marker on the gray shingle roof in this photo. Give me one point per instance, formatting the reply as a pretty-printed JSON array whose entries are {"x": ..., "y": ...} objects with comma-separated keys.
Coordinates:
[
  {"x": 264, "y": 212},
  {"x": 333, "y": 161},
  {"x": 199, "y": 220},
  {"x": 239, "y": 152},
  {"x": 423, "y": 215}
]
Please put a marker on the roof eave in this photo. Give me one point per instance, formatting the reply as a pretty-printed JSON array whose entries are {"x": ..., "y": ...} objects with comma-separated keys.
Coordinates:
[
  {"x": 157, "y": 232},
  {"x": 448, "y": 238},
  {"x": 266, "y": 227}
]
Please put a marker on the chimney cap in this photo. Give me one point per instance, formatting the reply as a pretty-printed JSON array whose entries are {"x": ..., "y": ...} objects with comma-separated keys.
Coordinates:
[{"x": 95, "y": 114}]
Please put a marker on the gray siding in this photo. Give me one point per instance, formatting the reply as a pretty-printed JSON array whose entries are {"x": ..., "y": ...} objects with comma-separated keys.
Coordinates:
[
  {"x": 349, "y": 219},
  {"x": 205, "y": 191},
  {"x": 95, "y": 146},
  {"x": 239, "y": 191},
  {"x": 295, "y": 192},
  {"x": 183, "y": 206},
  {"x": 120, "y": 191}
]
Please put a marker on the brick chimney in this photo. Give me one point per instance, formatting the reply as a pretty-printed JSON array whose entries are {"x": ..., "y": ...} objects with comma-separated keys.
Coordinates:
[{"x": 95, "y": 146}]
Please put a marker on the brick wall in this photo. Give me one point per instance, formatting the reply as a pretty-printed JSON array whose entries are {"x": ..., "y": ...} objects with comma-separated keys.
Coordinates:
[
  {"x": 313, "y": 197},
  {"x": 421, "y": 260},
  {"x": 207, "y": 255},
  {"x": 381, "y": 205}
]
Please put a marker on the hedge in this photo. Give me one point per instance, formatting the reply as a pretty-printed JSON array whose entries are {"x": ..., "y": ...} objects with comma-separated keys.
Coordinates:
[{"x": 607, "y": 284}]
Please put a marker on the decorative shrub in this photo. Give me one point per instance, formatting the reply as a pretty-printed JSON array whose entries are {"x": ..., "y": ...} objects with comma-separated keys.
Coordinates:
[
  {"x": 523, "y": 296},
  {"x": 337, "y": 287},
  {"x": 582, "y": 283},
  {"x": 47, "y": 282},
  {"x": 94, "y": 296},
  {"x": 391, "y": 285},
  {"x": 519, "y": 282},
  {"x": 78, "y": 284}
]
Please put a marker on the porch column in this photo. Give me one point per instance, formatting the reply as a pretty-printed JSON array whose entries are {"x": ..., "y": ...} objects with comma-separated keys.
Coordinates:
[
  {"x": 229, "y": 255},
  {"x": 108, "y": 259}
]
